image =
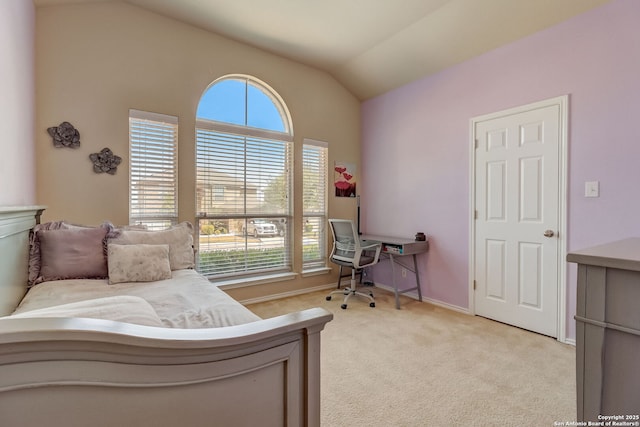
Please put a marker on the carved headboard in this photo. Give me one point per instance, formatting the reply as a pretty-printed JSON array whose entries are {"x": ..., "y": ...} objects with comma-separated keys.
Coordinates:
[{"x": 15, "y": 223}]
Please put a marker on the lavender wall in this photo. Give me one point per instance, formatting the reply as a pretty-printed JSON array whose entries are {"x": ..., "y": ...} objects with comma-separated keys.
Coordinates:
[
  {"x": 415, "y": 161},
  {"x": 17, "y": 102}
]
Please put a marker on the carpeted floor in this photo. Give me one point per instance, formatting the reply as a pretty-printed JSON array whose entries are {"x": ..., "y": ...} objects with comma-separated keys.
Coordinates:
[{"x": 425, "y": 365}]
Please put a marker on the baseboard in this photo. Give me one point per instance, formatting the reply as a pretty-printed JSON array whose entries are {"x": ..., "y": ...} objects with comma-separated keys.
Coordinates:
[{"x": 287, "y": 294}]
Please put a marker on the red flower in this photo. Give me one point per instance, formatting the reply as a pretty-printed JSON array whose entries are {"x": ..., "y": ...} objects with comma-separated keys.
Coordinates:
[
  {"x": 347, "y": 176},
  {"x": 342, "y": 185},
  {"x": 340, "y": 169}
]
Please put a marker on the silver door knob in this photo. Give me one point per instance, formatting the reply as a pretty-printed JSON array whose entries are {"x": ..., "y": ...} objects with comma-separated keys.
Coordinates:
[{"x": 548, "y": 233}]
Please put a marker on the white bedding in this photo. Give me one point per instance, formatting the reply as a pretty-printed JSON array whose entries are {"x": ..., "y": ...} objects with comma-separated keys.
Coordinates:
[
  {"x": 121, "y": 308},
  {"x": 187, "y": 300}
]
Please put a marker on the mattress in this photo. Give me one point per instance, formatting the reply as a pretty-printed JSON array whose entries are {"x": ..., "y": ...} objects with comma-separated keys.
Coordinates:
[{"x": 187, "y": 300}]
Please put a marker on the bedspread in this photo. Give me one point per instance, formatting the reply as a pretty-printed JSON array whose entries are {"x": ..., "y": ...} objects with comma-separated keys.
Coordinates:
[
  {"x": 187, "y": 300},
  {"x": 121, "y": 308}
]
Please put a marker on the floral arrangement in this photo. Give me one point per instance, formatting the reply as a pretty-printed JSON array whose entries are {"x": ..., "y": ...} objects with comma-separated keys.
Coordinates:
[{"x": 344, "y": 185}]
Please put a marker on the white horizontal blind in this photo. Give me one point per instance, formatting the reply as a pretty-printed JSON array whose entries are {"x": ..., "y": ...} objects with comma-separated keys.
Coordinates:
[
  {"x": 315, "y": 186},
  {"x": 241, "y": 175},
  {"x": 153, "y": 169},
  {"x": 242, "y": 197}
]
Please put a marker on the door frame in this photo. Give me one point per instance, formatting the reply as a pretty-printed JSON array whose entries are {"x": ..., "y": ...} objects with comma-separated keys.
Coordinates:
[{"x": 563, "y": 121}]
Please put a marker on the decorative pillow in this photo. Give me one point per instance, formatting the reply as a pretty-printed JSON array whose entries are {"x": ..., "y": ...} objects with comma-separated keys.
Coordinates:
[
  {"x": 139, "y": 227},
  {"x": 34, "y": 244},
  {"x": 72, "y": 254},
  {"x": 179, "y": 238},
  {"x": 138, "y": 263},
  {"x": 34, "y": 249}
]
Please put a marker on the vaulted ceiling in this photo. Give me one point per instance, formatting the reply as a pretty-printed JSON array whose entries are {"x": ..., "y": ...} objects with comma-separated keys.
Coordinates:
[{"x": 370, "y": 46}]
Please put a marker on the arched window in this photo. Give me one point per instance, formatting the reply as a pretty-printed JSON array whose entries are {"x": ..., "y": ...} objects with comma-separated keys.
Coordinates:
[
  {"x": 243, "y": 179},
  {"x": 244, "y": 101}
]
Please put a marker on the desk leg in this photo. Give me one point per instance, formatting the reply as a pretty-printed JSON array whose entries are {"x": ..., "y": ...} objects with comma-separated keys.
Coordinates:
[
  {"x": 393, "y": 280},
  {"x": 415, "y": 269},
  {"x": 395, "y": 284}
]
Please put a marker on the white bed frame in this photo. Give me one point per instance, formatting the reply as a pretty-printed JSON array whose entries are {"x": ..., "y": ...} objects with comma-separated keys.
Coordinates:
[{"x": 89, "y": 372}]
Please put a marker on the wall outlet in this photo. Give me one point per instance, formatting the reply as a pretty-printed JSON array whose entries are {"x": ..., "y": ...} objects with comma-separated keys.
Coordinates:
[
  {"x": 404, "y": 272},
  {"x": 592, "y": 189}
]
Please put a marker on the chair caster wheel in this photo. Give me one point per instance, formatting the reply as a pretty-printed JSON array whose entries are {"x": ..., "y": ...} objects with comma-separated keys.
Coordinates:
[
  {"x": 372, "y": 304},
  {"x": 329, "y": 298},
  {"x": 343, "y": 306}
]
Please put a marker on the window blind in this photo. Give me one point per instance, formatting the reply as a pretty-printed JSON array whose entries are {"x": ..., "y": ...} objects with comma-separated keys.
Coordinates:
[
  {"x": 315, "y": 184},
  {"x": 243, "y": 186},
  {"x": 241, "y": 175},
  {"x": 153, "y": 169}
]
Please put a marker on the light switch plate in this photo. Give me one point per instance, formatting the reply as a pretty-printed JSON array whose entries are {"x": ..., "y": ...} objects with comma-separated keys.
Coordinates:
[{"x": 592, "y": 189}]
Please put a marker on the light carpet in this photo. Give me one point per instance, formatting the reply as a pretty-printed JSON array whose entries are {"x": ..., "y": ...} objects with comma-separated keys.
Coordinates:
[{"x": 424, "y": 365}]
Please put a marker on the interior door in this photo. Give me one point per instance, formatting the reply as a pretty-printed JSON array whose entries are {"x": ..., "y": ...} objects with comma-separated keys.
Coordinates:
[{"x": 517, "y": 187}]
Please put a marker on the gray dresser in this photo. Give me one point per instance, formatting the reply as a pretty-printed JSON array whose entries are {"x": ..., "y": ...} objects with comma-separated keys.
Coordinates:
[{"x": 608, "y": 330}]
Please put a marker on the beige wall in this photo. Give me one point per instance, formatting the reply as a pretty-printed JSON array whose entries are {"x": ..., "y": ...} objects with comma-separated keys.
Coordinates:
[
  {"x": 96, "y": 61},
  {"x": 17, "y": 102}
]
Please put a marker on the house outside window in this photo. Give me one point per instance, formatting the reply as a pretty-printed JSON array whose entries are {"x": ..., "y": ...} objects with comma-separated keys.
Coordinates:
[
  {"x": 153, "y": 169},
  {"x": 244, "y": 156},
  {"x": 217, "y": 194}
]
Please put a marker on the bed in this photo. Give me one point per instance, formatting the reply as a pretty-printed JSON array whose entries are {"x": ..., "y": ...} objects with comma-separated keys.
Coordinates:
[{"x": 115, "y": 351}]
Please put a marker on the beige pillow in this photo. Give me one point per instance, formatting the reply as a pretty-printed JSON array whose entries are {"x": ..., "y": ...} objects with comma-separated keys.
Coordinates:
[
  {"x": 179, "y": 238},
  {"x": 138, "y": 263},
  {"x": 72, "y": 254}
]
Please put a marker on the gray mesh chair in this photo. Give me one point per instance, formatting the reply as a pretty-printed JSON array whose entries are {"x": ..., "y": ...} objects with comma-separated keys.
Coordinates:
[{"x": 349, "y": 251}]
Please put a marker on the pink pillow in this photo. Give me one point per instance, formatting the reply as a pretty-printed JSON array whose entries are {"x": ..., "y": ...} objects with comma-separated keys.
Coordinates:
[
  {"x": 76, "y": 253},
  {"x": 34, "y": 249},
  {"x": 34, "y": 244}
]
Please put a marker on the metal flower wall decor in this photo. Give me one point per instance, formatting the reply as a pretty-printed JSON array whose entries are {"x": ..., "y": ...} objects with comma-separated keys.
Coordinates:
[
  {"x": 105, "y": 161},
  {"x": 64, "y": 135}
]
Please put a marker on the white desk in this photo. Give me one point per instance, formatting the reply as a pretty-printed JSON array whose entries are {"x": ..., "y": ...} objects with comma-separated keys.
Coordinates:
[{"x": 395, "y": 247}]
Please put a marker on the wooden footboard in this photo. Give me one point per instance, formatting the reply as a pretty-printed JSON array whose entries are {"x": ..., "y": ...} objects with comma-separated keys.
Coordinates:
[{"x": 89, "y": 372}]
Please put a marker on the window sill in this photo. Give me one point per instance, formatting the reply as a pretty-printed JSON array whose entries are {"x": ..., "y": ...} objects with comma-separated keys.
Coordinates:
[
  {"x": 252, "y": 281},
  {"x": 317, "y": 271}
]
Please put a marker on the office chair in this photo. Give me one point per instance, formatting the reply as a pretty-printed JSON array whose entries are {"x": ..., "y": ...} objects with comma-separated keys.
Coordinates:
[{"x": 349, "y": 251}]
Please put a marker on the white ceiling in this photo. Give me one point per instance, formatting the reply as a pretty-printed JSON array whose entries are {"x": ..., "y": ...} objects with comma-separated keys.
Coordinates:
[{"x": 370, "y": 46}]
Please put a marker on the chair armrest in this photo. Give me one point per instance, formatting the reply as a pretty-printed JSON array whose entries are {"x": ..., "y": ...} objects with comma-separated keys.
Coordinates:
[{"x": 370, "y": 244}]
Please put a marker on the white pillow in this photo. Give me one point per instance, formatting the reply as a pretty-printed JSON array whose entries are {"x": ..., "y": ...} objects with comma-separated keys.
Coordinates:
[{"x": 138, "y": 263}]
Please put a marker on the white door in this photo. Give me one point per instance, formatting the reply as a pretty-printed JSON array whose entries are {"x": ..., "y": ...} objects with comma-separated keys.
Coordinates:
[{"x": 517, "y": 217}]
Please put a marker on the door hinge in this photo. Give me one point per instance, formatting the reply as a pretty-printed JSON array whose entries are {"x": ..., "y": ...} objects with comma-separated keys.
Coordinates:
[
  {"x": 474, "y": 285},
  {"x": 477, "y": 143},
  {"x": 475, "y": 214}
]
